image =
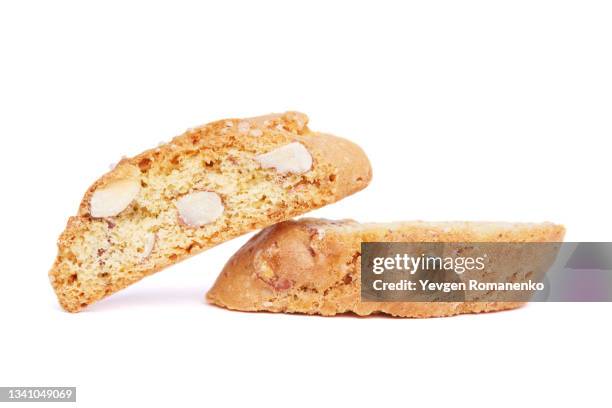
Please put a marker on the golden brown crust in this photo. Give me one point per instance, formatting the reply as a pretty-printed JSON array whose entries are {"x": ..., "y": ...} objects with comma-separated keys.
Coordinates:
[
  {"x": 98, "y": 256},
  {"x": 314, "y": 266}
]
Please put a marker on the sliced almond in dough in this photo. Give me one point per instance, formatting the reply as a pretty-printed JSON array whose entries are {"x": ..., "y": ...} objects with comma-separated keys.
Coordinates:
[
  {"x": 199, "y": 208},
  {"x": 113, "y": 198},
  {"x": 291, "y": 158}
]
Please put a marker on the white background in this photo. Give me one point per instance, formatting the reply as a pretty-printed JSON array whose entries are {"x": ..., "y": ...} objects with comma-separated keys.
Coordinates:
[{"x": 468, "y": 111}]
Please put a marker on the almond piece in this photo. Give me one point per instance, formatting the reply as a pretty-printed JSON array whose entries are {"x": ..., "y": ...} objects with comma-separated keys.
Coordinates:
[
  {"x": 113, "y": 198},
  {"x": 149, "y": 243},
  {"x": 243, "y": 127},
  {"x": 199, "y": 208},
  {"x": 255, "y": 132},
  {"x": 291, "y": 158}
]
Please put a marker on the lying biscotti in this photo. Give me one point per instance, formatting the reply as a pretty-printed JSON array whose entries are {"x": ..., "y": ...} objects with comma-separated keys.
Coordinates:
[
  {"x": 207, "y": 186},
  {"x": 313, "y": 266}
]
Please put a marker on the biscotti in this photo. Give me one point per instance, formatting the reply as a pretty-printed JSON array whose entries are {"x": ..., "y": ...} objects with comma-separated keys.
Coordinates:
[
  {"x": 207, "y": 186},
  {"x": 313, "y": 266}
]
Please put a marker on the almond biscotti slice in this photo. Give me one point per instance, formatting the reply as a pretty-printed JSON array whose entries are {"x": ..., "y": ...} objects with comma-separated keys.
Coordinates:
[
  {"x": 207, "y": 186},
  {"x": 313, "y": 266}
]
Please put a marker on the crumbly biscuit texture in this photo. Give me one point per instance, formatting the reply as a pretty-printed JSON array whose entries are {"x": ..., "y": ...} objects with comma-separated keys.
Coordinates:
[
  {"x": 313, "y": 266},
  {"x": 209, "y": 185}
]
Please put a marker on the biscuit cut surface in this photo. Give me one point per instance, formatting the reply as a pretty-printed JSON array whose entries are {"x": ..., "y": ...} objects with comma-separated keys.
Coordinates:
[
  {"x": 207, "y": 186},
  {"x": 313, "y": 266}
]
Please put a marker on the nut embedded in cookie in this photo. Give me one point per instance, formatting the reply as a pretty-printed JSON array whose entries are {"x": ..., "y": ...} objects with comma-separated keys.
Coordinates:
[
  {"x": 199, "y": 208},
  {"x": 291, "y": 158}
]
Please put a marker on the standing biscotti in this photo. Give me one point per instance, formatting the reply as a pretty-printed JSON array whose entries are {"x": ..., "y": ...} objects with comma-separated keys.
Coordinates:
[
  {"x": 313, "y": 266},
  {"x": 207, "y": 186}
]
